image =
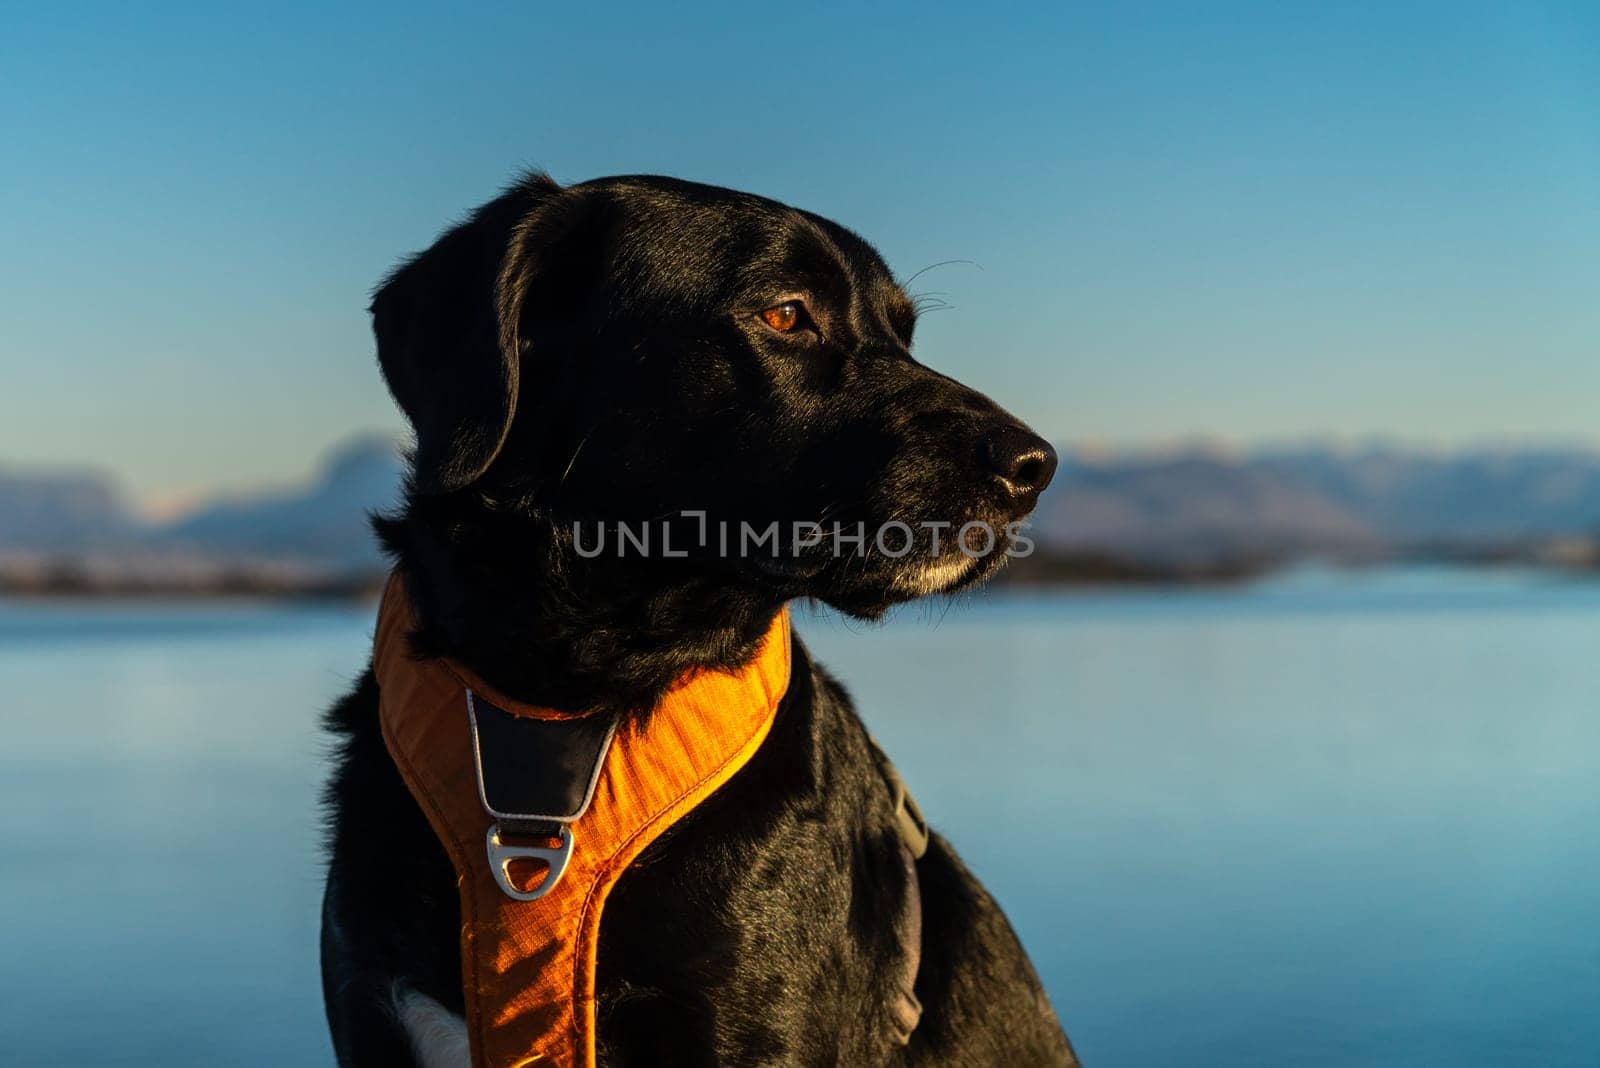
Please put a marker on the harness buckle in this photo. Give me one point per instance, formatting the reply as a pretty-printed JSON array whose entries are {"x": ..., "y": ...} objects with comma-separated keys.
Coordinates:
[
  {"x": 909, "y": 821},
  {"x": 555, "y": 858}
]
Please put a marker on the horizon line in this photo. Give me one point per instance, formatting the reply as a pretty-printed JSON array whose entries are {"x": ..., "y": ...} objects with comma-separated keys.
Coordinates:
[{"x": 166, "y": 505}]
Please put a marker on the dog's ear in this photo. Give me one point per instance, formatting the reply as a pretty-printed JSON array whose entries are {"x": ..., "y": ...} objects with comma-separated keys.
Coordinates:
[{"x": 450, "y": 326}]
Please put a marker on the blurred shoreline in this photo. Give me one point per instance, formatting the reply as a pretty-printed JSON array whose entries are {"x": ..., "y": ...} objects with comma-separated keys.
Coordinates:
[{"x": 74, "y": 577}]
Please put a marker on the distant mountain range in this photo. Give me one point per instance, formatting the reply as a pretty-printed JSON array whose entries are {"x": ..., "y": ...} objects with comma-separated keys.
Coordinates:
[
  {"x": 1199, "y": 503},
  {"x": 81, "y": 521},
  {"x": 62, "y": 511},
  {"x": 324, "y": 522},
  {"x": 1178, "y": 507}
]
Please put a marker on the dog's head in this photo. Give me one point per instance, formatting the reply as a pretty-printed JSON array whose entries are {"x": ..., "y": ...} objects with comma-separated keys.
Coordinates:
[{"x": 659, "y": 354}]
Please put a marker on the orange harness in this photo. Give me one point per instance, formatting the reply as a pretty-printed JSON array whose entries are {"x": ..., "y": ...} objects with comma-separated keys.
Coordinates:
[{"x": 487, "y": 770}]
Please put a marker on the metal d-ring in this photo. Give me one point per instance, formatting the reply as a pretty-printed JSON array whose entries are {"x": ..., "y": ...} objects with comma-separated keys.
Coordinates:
[{"x": 501, "y": 856}]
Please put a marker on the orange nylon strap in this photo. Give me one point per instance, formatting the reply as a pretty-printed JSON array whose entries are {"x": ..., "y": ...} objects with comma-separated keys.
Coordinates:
[{"x": 528, "y": 968}]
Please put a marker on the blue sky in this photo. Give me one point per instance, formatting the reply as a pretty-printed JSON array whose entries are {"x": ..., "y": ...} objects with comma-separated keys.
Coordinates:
[{"x": 1246, "y": 222}]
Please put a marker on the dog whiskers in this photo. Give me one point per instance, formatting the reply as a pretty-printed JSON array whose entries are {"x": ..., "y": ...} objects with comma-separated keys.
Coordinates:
[
  {"x": 941, "y": 263},
  {"x": 563, "y": 480}
]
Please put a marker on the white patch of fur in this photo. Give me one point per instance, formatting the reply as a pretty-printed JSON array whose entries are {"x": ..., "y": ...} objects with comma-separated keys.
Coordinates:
[
  {"x": 940, "y": 573},
  {"x": 438, "y": 1036}
]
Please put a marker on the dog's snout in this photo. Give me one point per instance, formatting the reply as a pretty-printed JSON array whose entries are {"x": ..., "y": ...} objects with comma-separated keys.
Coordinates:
[{"x": 1022, "y": 460}]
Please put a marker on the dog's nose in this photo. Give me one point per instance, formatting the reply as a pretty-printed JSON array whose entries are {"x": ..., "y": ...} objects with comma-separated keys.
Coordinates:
[{"x": 1024, "y": 462}]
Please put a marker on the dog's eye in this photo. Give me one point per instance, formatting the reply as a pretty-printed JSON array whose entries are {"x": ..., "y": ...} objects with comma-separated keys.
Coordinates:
[{"x": 784, "y": 317}]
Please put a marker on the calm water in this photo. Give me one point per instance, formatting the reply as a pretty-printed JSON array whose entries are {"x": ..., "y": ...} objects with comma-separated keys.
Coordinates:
[{"x": 1325, "y": 821}]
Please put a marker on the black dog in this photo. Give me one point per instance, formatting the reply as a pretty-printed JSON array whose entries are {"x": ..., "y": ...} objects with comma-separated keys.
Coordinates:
[{"x": 629, "y": 350}]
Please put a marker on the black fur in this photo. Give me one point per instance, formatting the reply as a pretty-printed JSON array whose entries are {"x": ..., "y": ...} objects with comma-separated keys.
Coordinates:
[{"x": 597, "y": 354}]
